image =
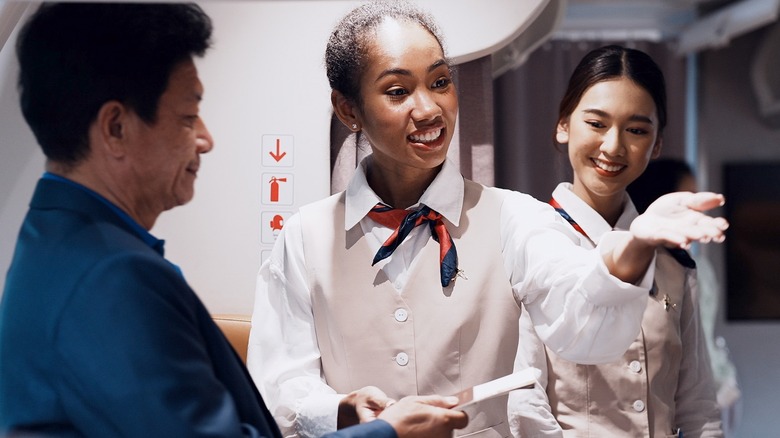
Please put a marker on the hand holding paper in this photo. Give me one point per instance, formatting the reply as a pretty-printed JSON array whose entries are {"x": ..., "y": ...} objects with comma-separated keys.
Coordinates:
[{"x": 494, "y": 388}]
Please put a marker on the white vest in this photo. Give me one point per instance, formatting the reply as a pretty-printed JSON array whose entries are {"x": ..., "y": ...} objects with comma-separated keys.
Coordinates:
[{"x": 427, "y": 339}]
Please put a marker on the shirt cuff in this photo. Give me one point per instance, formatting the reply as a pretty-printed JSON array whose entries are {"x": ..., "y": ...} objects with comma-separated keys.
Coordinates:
[
  {"x": 318, "y": 415},
  {"x": 607, "y": 290}
]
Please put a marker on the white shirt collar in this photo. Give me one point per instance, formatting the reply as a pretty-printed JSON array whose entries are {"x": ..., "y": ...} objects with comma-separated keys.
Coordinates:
[
  {"x": 587, "y": 218},
  {"x": 445, "y": 194}
]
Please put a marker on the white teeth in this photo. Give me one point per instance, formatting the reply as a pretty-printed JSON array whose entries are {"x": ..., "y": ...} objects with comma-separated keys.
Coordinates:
[
  {"x": 427, "y": 137},
  {"x": 607, "y": 167}
]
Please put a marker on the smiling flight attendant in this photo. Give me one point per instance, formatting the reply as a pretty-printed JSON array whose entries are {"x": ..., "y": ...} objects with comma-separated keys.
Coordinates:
[
  {"x": 612, "y": 118},
  {"x": 356, "y": 306}
]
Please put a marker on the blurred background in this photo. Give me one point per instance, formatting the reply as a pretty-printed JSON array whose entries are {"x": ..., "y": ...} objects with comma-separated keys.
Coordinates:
[{"x": 267, "y": 97}]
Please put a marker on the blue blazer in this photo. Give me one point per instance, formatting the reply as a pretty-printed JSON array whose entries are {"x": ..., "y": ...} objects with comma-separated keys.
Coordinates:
[{"x": 101, "y": 336}]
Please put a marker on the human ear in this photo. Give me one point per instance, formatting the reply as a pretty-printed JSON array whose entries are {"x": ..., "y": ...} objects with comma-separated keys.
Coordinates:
[
  {"x": 657, "y": 147},
  {"x": 346, "y": 111},
  {"x": 562, "y": 132},
  {"x": 111, "y": 127}
]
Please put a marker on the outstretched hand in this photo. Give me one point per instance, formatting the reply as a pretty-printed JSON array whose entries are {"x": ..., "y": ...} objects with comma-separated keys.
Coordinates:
[{"x": 676, "y": 220}]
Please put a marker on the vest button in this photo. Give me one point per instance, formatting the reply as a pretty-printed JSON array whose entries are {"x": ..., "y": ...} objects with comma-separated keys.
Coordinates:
[
  {"x": 639, "y": 406},
  {"x": 402, "y": 359},
  {"x": 401, "y": 315},
  {"x": 635, "y": 366}
]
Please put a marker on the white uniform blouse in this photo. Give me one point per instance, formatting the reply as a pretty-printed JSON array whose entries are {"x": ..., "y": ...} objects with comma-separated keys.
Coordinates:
[{"x": 579, "y": 309}]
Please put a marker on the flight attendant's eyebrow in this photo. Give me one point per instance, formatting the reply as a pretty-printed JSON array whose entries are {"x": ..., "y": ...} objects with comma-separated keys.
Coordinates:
[
  {"x": 633, "y": 118},
  {"x": 406, "y": 72}
]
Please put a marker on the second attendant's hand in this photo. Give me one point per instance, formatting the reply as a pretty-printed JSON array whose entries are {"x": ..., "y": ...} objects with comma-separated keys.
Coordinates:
[{"x": 677, "y": 220}]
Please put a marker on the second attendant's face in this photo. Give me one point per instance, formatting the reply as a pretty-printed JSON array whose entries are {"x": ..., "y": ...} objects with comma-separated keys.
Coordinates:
[
  {"x": 409, "y": 101},
  {"x": 612, "y": 134}
]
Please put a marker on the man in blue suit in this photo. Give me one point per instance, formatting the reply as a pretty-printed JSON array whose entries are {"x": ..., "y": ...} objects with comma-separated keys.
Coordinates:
[{"x": 99, "y": 334}]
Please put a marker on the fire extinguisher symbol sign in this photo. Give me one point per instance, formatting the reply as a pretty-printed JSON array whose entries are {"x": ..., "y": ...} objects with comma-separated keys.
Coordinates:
[{"x": 277, "y": 189}]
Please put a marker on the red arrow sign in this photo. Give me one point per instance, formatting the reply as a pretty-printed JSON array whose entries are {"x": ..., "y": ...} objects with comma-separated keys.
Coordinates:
[{"x": 278, "y": 155}]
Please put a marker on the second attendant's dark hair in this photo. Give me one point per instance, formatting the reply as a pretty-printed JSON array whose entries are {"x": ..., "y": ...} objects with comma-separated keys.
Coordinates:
[{"x": 610, "y": 62}]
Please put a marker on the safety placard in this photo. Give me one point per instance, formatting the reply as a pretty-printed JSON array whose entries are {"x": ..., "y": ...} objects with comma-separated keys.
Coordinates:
[
  {"x": 271, "y": 225},
  {"x": 277, "y": 188},
  {"x": 278, "y": 150}
]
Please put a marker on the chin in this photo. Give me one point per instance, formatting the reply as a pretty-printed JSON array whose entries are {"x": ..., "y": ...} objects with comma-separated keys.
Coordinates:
[
  {"x": 433, "y": 162},
  {"x": 184, "y": 197}
]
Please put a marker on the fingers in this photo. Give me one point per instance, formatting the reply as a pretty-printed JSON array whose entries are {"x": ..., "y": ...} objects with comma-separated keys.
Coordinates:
[
  {"x": 676, "y": 219},
  {"x": 424, "y": 416},
  {"x": 457, "y": 419},
  {"x": 712, "y": 229},
  {"x": 452, "y": 419},
  {"x": 702, "y": 201},
  {"x": 371, "y": 396},
  {"x": 704, "y": 229},
  {"x": 436, "y": 400},
  {"x": 361, "y": 406}
]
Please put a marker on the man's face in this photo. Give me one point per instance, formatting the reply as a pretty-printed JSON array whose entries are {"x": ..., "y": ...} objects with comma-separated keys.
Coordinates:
[{"x": 166, "y": 156}]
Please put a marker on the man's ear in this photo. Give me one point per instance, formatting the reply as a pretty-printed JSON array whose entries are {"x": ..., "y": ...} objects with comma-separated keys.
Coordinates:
[
  {"x": 111, "y": 127},
  {"x": 346, "y": 111},
  {"x": 562, "y": 131}
]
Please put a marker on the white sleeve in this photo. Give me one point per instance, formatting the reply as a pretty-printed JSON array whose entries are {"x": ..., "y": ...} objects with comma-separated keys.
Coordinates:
[
  {"x": 528, "y": 410},
  {"x": 283, "y": 356},
  {"x": 579, "y": 310}
]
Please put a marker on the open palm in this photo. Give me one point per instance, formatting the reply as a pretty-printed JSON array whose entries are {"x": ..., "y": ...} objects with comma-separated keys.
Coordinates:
[{"x": 676, "y": 220}]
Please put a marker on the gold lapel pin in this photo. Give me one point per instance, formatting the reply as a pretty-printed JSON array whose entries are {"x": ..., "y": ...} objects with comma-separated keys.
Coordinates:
[{"x": 668, "y": 303}]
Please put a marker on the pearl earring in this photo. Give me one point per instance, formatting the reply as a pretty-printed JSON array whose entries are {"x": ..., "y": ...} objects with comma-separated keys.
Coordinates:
[{"x": 354, "y": 126}]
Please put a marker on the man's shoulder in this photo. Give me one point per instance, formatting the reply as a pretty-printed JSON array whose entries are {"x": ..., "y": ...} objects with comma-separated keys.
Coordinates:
[
  {"x": 58, "y": 250},
  {"x": 59, "y": 209},
  {"x": 77, "y": 235}
]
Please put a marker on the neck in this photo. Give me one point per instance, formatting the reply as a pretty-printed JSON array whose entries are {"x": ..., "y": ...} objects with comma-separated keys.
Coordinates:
[
  {"x": 608, "y": 207},
  {"x": 399, "y": 189},
  {"x": 610, "y": 212},
  {"x": 102, "y": 181}
]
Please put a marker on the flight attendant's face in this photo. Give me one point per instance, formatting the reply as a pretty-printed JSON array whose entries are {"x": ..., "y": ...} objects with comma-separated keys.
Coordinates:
[
  {"x": 409, "y": 103},
  {"x": 611, "y": 135}
]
